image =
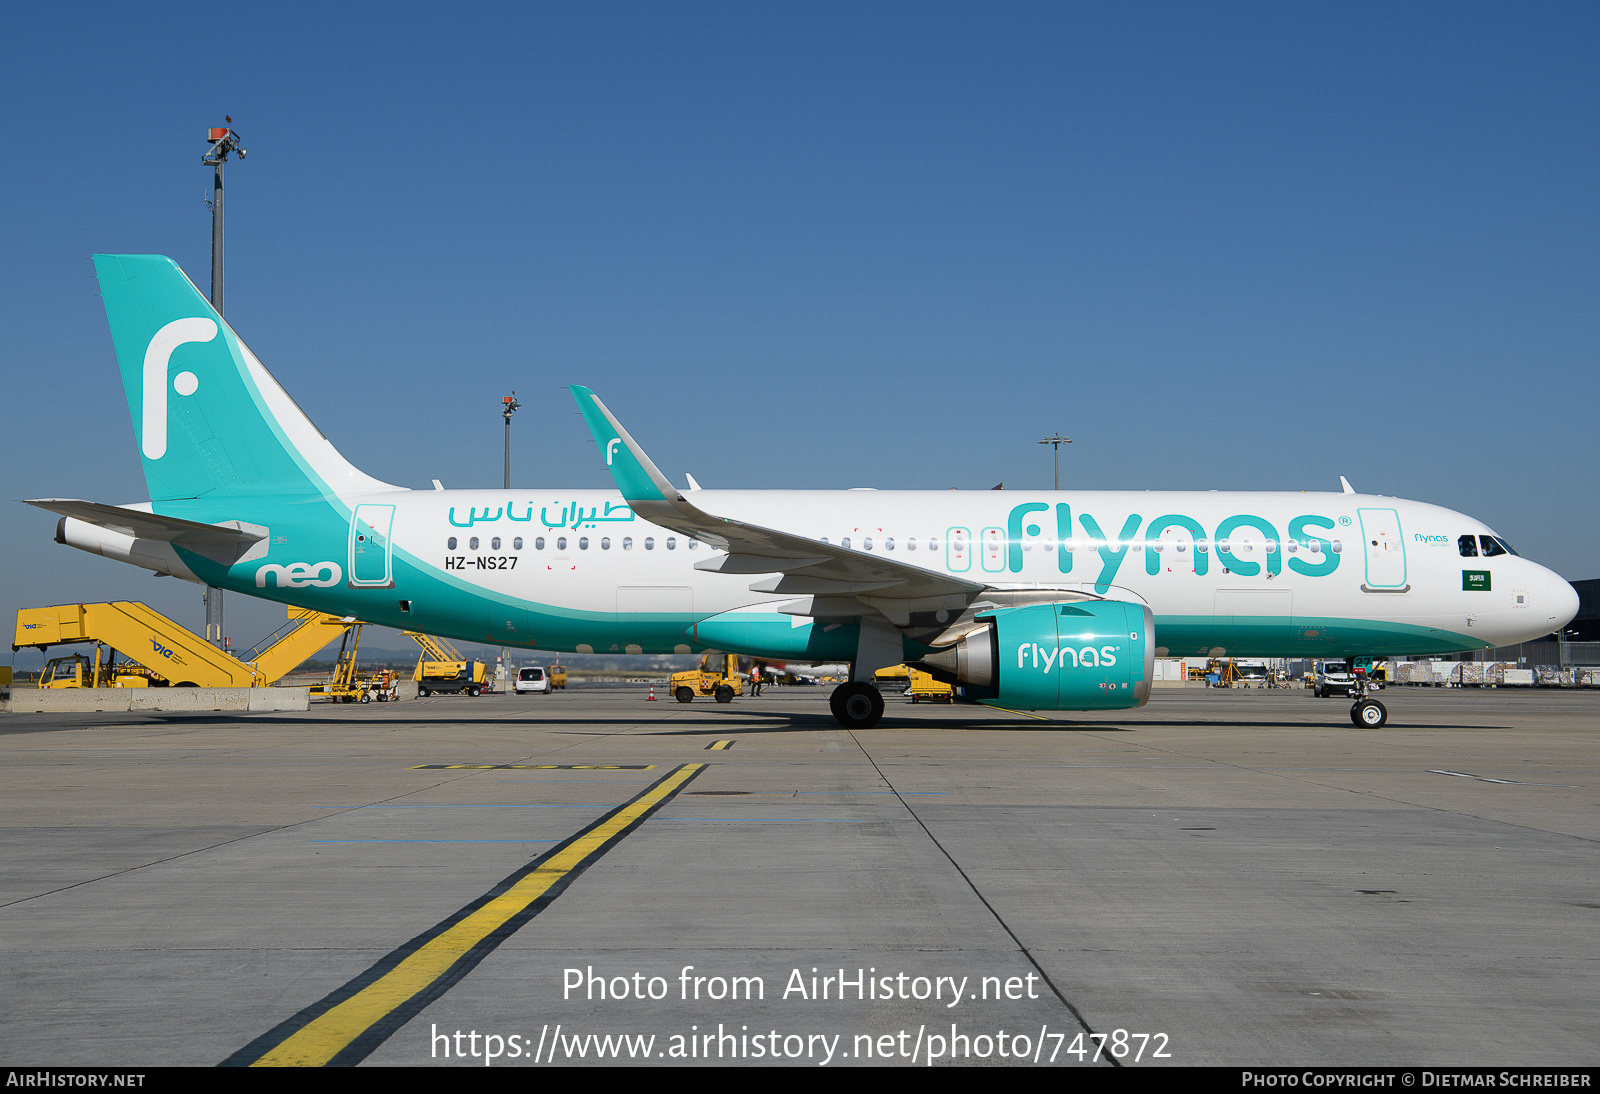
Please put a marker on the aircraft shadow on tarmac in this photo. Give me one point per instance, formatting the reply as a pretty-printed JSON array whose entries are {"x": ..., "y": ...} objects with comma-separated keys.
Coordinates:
[{"x": 745, "y": 721}]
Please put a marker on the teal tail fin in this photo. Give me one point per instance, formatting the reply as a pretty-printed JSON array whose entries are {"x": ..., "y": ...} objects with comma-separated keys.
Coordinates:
[{"x": 209, "y": 417}]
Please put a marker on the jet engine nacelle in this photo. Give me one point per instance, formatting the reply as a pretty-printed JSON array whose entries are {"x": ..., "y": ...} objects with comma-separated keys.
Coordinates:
[{"x": 1089, "y": 655}]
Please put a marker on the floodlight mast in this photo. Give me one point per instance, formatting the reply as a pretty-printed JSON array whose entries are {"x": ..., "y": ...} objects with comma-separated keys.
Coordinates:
[
  {"x": 508, "y": 407},
  {"x": 223, "y": 141},
  {"x": 1056, "y": 442}
]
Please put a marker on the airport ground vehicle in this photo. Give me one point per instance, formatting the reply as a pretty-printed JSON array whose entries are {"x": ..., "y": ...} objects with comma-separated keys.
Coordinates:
[
  {"x": 1025, "y": 599},
  {"x": 1343, "y": 678},
  {"x": 558, "y": 677},
  {"x": 531, "y": 679},
  {"x": 718, "y": 676},
  {"x": 159, "y": 652},
  {"x": 347, "y": 684},
  {"x": 923, "y": 688},
  {"x": 442, "y": 669},
  {"x": 896, "y": 678}
]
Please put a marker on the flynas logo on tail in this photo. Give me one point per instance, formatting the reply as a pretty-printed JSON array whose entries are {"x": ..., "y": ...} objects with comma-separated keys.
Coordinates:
[
  {"x": 156, "y": 358},
  {"x": 611, "y": 449}
]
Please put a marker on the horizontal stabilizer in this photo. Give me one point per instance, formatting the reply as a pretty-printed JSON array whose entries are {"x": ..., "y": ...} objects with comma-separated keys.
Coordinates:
[{"x": 142, "y": 525}]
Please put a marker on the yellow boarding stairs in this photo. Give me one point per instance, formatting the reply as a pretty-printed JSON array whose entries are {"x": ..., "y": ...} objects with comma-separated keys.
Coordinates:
[
  {"x": 441, "y": 668},
  {"x": 169, "y": 653}
]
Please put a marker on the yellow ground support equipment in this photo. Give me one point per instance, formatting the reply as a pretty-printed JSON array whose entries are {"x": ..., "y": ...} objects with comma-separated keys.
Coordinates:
[
  {"x": 895, "y": 678},
  {"x": 169, "y": 654},
  {"x": 558, "y": 677},
  {"x": 441, "y": 668},
  {"x": 347, "y": 684},
  {"x": 925, "y": 689},
  {"x": 718, "y": 676}
]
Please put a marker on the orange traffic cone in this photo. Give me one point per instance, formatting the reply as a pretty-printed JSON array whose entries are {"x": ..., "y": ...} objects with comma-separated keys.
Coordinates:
[{"x": 652, "y": 694}]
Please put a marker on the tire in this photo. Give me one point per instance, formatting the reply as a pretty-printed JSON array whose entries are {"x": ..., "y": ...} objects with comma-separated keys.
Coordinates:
[
  {"x": 684, "y": 695},
  {"x": 724, "y": 694},
  {"x": 366, "y": 696},
  {"x": 857, "y": 705},
  {"x": 1369, "y": 714},
  {"x": 423, "y": 693},
  {"x": 474, "y": 692}
]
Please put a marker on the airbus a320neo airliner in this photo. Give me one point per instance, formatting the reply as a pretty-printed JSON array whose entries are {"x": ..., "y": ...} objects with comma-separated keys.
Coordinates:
[{"x": 1038, "y": 601}]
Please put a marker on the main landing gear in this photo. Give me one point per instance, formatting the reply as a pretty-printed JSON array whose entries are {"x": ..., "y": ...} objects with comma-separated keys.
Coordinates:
[{"x": 857, "y": 705}]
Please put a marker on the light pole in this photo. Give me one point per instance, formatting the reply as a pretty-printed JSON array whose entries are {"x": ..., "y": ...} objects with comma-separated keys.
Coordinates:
[
  {"x": 508, "y": 407},
  {"x": 223, "y": 141},
  {"x": 1055, "y": 443}
]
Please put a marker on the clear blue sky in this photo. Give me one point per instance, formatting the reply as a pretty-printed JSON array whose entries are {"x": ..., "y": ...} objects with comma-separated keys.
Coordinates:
[{"x": 829, "y": 245}]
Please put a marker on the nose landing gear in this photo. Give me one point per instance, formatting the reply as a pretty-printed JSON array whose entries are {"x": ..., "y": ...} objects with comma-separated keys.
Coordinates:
[
  {"x": 1369, "y": 714},
  {"x": 1366, "y": 713}
]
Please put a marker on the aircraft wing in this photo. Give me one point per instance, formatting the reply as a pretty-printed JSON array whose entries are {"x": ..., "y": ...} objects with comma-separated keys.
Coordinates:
[
  {"x": 799, "y": 565},
  {"x": 142, "y": 525}
]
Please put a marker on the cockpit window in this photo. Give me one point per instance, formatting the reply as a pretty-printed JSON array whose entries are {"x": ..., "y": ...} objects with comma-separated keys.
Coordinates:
[
  {"x": 1468, "y": 546},
  {"x": 1492, "y": 547}
]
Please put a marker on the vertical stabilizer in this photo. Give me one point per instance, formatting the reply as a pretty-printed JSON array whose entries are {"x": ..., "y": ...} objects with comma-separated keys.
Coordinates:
[{"x": 210, "y": 419}]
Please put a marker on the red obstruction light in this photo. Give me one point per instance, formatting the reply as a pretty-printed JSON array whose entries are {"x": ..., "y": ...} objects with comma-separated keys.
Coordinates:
[{"x": 215, "y": 135}]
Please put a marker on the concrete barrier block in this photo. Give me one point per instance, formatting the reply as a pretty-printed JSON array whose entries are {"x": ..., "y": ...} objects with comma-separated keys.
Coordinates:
[
  {"x": 49, "y": 700},
  {"x": 406, "y": 689},
  {"x": 280, "y": 698}
]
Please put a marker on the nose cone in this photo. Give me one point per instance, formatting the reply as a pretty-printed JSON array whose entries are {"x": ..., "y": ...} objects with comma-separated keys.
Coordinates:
[{"x": 1563, "y": 602}]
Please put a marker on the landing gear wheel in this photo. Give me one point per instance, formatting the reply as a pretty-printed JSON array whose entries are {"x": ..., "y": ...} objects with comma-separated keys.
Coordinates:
[
  {"x": 1369, "y": 714},
  {"x": 724, "y": 694},
  {"x": 856, "y": 706},
  {"x": 684, "y": 695}
]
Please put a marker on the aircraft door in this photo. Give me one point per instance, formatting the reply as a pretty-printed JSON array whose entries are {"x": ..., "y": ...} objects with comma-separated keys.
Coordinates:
[
  {"x": 1384, "y": 548},
  {"x": 371, "y": 550}
]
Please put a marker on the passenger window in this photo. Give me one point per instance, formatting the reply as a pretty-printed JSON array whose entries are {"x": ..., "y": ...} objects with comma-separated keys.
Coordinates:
[
  {"x": 516, "y": 544},
  {"x": 911, "y": 543},
  {"x": 1491, "y": 546},
  {"x": 692, "y": 544},
  {"x": 866, "y": 543},
  {"x": 933, "y": 543},
  {"x": 672, "y": 543},
  {"x": 450, "y": 544},
  {"x": 888, "y": 543},
  {"x": 845, "y": 543},
  {"x": 561, "y": 543},
  {"x": 627, "y": 543},
  {"x": 1337, "y": 546},
  {"x": 605, "y": 543},
  {"x": 649, "y": 543},
  {"x": 583, "y": 543},
  {"x": 1468, "y": 545},
  {"x": 472, "y": 544},
  {"x": 494, "y": 544},
  {"x": 538, "y": 544}
]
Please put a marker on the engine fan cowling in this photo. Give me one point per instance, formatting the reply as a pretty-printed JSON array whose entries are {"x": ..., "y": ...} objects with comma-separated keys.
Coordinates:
[{"x": 1091, "y": 655}]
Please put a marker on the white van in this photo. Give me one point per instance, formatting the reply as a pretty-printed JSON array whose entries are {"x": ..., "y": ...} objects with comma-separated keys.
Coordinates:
[{"x": 532, "y": 678}]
